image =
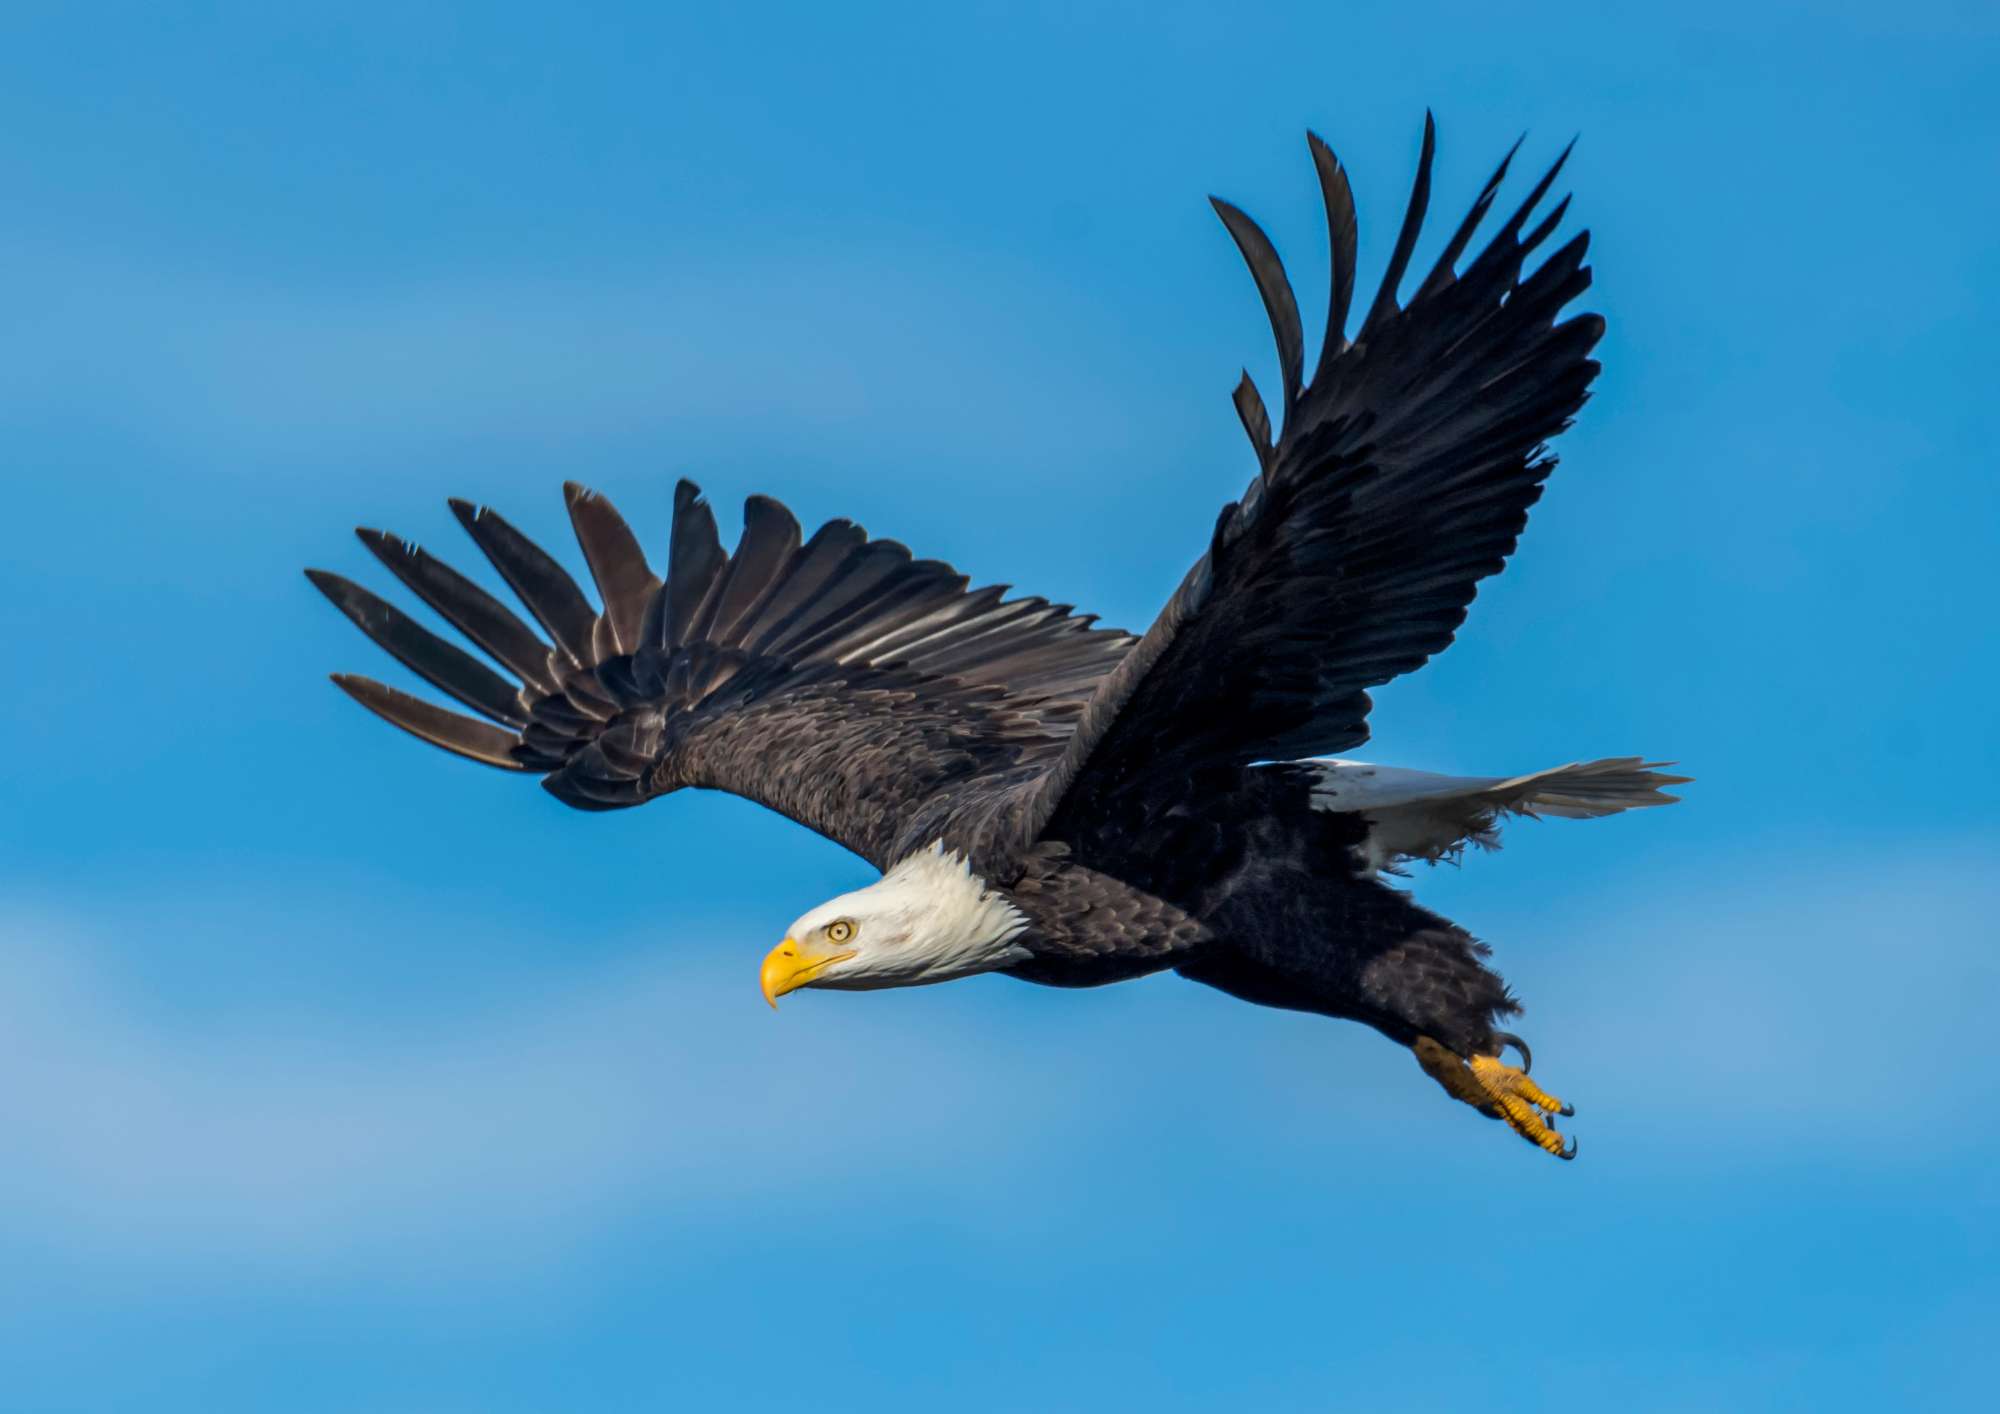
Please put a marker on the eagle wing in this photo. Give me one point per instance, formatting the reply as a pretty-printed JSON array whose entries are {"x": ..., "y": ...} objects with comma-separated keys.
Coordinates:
[
  {"x": 1401, "y": 476},
  {"x": 835, "y": 679}
]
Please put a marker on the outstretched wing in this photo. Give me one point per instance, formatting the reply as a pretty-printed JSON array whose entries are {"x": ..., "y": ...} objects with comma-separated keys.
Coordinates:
[
  {"x": 1401, "y": 476},
  {"x": 834, "y": 679}
]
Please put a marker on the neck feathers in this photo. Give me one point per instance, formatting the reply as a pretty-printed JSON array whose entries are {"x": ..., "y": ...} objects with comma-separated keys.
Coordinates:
[{"x": 961, "y": 908}]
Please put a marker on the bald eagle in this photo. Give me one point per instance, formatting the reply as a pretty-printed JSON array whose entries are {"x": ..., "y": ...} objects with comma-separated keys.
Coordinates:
[{"x": 1066, "y": 803}]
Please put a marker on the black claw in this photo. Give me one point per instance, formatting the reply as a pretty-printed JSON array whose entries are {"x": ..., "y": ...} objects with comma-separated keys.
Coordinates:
[
  {"x": 1508, "y": 1038},
  {"x": 1567, "y": 1110},
  {"x": 1570, "y": 1152}
]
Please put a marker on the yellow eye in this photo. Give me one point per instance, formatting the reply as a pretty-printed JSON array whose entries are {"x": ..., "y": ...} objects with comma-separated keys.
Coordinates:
[{"x": 840, "y": 931}]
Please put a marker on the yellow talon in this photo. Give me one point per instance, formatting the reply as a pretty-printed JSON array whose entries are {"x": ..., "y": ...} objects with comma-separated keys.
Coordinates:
[
  {"x": 1497, "y": 1089},
  {"x": 1492, "y": 1071},
  {"x": 1517, "y": 1097}
]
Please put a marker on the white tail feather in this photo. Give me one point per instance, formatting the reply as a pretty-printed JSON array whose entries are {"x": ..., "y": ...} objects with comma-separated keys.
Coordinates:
[{"x": 1427, "y": 816}]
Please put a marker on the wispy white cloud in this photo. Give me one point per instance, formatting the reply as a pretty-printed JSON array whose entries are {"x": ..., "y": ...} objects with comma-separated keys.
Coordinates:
[
  {"x": 1818, "y": 1010},
  {"x": 530, "y": 1122}
]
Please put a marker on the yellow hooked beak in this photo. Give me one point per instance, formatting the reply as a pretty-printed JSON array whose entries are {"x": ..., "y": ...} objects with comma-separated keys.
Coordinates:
[{"x": 791, "y": 964}]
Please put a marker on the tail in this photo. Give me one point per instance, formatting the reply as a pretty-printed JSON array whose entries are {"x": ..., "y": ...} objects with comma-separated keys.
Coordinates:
[
  {"x": 1423, "y": 815},
  {"x": 1583, "y": 790}
]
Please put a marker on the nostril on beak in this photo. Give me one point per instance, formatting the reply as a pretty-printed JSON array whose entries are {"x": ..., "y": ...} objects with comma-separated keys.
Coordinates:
[{"x": 782, "y": 971}]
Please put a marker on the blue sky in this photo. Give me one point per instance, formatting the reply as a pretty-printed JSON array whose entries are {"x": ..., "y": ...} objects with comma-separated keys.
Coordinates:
[{"x": 335, "y": 1075}]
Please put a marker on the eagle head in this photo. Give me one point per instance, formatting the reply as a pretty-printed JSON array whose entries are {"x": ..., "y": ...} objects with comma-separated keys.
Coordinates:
[{"x": 928, "y": 919}]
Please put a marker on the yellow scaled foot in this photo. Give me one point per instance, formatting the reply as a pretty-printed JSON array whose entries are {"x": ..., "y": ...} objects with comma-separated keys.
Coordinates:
[
  {"x": 1497, "y": 1089},
  {"x": 1520, "y": 1101}
]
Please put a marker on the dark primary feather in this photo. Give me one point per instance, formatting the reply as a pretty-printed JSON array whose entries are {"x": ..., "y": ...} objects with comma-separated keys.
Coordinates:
[
  {"x": 443, "y": 665},
  {"x": 770, "y": 539},
  {"x": 1342, "y": 239},
  {"x": 839, "y": 680},
  {"x": 625, "y": 582},
  {"x": 534, "y": 576},
  {"x": 470, "y": 609},
  {"x": 695, "y": 552},
  {"x": 433, "y": 724},
  {"x": 1402, "y": 476},
  {"x": 1406, "y": 237},
  {"x": 1280, "y": 305}
]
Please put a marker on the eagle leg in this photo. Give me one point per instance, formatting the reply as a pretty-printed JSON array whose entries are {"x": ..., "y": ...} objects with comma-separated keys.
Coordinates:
[{"x": 1498, "y": 1091}]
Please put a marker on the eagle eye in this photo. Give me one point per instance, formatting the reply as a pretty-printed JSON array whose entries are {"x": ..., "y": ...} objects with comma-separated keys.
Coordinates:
[{"x": 839, "y": 931}]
